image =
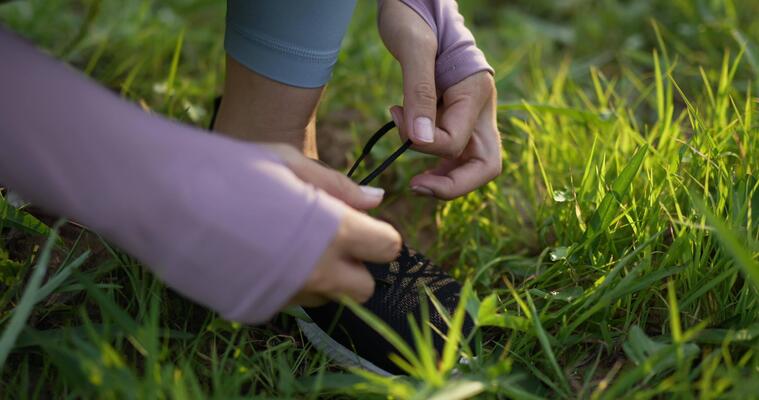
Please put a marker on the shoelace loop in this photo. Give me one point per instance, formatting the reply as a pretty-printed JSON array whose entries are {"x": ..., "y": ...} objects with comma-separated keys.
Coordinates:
[{"x": 368, "y": 148}]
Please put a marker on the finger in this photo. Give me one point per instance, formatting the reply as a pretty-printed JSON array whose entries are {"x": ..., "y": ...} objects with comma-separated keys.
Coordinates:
[
  {"x": 419, "y": 96},
  {"x": 459, "y": 181},
  {"x": 452, "y": 179},
  {"x": 338, "y": 185},
  {"x": 342, "y": 276},
  {"x": 456, "y": 125},
  {"x": 307, "y": 300},
  {"x": 367, "y": 239},
  {"x": 442, "y": 139},
  {"x": 397, "y": 113},
  {"x": 451, "y": 138},
  {"x": 462, "y": 107},
  {"x": 353, "y": 280},
  {"x": 413, "y": 43},
  {"x": 458, "y": 120}
]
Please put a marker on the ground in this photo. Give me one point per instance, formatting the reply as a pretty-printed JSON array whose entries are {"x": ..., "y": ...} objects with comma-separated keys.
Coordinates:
[{"x": 616, "y": 256}]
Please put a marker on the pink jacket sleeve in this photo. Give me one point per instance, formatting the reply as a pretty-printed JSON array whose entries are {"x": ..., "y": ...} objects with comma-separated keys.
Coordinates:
[
  {"x": 457, "y": 56},
  {"x": 223, "y": 222}
]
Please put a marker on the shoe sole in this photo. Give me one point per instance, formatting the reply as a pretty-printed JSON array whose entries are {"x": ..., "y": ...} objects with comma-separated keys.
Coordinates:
[{"x": 338, "y": 353}]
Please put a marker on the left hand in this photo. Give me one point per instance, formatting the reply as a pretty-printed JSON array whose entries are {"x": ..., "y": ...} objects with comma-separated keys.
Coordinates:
[{"x": 461, "y": 128}]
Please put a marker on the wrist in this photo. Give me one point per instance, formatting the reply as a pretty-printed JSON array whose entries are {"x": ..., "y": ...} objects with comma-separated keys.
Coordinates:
[
  {"x": 454, "y": 67},
  {"x": 457, "y": 56}
]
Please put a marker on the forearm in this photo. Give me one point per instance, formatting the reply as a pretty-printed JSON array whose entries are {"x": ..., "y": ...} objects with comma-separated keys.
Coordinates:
[
  {"x": 457, "y": 54},
  {"x": 216, "y": 218}
]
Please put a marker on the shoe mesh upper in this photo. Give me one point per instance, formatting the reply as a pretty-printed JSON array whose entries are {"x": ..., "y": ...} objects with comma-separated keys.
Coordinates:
[{"x": 396, "y": 294}]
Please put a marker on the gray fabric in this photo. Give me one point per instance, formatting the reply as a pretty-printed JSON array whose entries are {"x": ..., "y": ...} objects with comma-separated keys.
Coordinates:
[{"x": 295, "y": 42}]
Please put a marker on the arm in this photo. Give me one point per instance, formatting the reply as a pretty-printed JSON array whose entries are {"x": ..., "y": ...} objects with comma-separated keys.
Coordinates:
[{"x": 222, "y": 222}]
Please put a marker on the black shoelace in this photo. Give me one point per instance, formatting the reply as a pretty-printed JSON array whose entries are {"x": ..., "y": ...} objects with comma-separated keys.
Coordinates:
[{"x": 368, "y": 148}]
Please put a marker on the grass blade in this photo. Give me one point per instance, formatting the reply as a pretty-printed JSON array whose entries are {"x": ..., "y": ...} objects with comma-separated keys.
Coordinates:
[
  {"x": 15, "y": 218},
  {"x": 603, "y": 216},
  {"x": 30, "y": 297},
  {"x": 385, "y": 330},
  {"x": 450, "y": 350},
  {"x": 545, "y": 343},
  {"x": 730, "y": 242}
]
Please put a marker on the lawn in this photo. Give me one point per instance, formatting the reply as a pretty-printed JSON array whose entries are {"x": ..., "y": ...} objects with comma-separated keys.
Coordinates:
[{"x": 616, "y": 256}]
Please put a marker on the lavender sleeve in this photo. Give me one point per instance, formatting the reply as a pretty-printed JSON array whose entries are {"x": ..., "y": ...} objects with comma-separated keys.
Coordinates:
[
  {"x": 457, "y": 56},
  {"x": 223, "y": 222}
]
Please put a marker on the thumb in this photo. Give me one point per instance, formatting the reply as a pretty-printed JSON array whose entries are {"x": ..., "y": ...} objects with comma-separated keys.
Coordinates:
[
  {"x": 337, "y": 184},
  {"x": 367, "y": 239},
  {"x": 414, "y": 44},
  {"x": 352, "y": 279},
  {"x": 419, "y": 98}
]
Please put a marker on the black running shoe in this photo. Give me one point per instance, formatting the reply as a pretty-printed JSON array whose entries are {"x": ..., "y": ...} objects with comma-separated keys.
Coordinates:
[{"x": 347, "y": 339}]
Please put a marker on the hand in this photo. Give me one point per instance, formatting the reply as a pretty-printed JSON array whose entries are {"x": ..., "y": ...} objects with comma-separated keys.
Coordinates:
[
  {"x": 327, "y": 179},
  {"x": 461, "y": 128},
  {"x": 340, "y": 271},
  {"x": 359, "y": 238}
]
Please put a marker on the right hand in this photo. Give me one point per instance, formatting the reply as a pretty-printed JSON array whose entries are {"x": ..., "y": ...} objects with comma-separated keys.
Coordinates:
[
  {"x": 339, "y": 271},
  {"x": 359, "y": 238}
]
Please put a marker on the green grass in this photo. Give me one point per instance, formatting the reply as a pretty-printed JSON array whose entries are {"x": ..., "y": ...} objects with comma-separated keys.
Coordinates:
[{"x": 615, "y": 257}]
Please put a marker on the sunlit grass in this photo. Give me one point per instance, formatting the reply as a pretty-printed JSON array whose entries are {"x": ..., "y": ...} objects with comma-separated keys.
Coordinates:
[{"x": 615, "y": 256}]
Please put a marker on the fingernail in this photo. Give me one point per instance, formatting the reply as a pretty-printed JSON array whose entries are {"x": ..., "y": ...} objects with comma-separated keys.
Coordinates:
[
  {"x": 373, "y": 191},
  {"x": 423, "y": 130},
  {"x": 421, "y": 190}
]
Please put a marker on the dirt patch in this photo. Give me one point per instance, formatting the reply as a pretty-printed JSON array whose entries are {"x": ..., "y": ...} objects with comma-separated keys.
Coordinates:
[{"x": 333, "y": 139}]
